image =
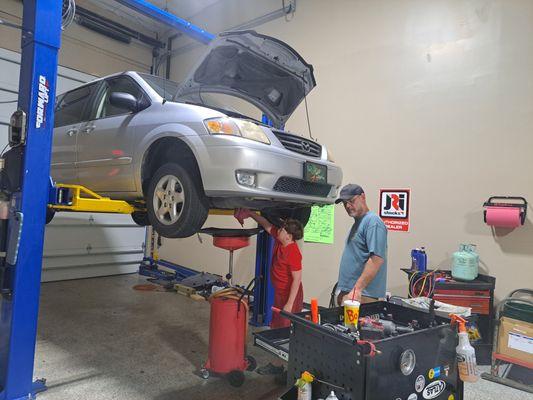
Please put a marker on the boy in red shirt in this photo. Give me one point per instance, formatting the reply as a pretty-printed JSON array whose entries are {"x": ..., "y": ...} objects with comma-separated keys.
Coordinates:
[{"x": 286, "y": 269}]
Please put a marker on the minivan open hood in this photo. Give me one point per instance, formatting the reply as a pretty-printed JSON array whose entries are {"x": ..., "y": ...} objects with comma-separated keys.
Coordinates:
[{"x": 257, "y": 68}]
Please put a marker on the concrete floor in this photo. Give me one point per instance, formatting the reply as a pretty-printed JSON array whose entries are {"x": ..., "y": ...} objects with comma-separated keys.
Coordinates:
[{"x": 100, "y": 339}]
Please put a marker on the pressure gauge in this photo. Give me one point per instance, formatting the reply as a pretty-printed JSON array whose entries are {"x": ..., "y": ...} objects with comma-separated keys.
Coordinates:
[{"x": 407, "y": 362}]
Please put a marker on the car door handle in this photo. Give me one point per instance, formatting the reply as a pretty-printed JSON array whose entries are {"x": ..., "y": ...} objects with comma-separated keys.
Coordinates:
[
  {"x": 72, "y": 132},
  {"x": 88, "y": 129}
]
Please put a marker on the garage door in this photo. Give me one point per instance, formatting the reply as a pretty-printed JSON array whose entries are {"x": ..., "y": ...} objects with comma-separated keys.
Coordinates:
[{"x": 77, "y": 245}]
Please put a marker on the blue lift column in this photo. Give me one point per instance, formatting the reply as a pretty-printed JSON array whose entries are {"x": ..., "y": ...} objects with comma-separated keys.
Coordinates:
[
  {"x": 19, "y": 310},
  {"x": 263, "y": 290}
]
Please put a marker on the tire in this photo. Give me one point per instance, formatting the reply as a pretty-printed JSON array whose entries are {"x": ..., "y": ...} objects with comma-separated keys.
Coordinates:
[
  {"x": 50, "y": 213},
  {"x": 176, "y": 205},
  {"x": 252, "y": 363},
  {"x": 276, "y": 216},
  {"x": 235, "y": 378},
  {"x": 140, "y": 218},
  {"x": 204, "y": 373}
]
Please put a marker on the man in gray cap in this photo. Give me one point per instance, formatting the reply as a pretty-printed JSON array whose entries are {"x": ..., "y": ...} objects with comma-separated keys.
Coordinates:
[{"x": 363, "y": 266}]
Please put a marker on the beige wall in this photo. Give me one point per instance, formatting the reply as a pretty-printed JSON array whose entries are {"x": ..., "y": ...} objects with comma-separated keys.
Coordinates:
[
  {"x": 81, "y": 48},
  {"x": 436, "y": 96}
]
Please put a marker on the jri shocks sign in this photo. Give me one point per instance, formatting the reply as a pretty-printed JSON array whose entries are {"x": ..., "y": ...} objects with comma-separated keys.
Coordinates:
[{"x": 394, "y": 208}]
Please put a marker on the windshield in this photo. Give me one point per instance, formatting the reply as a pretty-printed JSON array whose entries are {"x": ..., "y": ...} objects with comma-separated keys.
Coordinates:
[{"x": 164, "y": 88}]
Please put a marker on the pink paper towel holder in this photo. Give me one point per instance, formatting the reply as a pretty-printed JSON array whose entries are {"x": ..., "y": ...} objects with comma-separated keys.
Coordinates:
[{"x": 492, "y": 203}]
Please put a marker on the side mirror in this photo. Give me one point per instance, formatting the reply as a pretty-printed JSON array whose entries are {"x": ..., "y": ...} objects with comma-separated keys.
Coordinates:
[{"x": 124, "y": 100}]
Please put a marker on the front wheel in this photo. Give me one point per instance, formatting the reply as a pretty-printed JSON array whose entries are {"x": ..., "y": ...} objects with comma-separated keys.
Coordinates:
[{"x": 177, "y": 207}]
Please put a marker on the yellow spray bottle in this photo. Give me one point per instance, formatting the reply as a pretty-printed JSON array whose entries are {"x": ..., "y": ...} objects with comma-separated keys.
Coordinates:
[{"x": 304, "y": 386}]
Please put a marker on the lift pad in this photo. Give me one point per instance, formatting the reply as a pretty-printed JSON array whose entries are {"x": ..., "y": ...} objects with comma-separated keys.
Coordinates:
[{"x": 78, "y": 198}]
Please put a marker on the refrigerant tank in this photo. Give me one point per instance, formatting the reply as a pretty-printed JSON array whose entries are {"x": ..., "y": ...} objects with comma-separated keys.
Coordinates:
[{"x": 465, "y": 265}]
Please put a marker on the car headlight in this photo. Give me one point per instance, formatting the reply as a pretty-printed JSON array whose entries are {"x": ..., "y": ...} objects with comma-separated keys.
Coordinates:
[
  {"x": 329, "y": 155},
  {"x": 326, "y": 154},
  {"x": 236, "y": 127}
]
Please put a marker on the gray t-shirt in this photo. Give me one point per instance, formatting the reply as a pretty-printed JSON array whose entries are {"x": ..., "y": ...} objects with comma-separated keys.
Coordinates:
[{"x": 367, "y": 237}]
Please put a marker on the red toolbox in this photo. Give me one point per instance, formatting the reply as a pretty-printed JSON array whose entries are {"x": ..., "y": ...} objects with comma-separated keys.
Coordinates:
[
  {"x": 478, "y": 300},
  {"x": 478, "y": 295}
]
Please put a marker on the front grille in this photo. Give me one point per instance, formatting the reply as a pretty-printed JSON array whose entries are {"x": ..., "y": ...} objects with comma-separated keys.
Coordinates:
[
  {"x": 299, "y": 144},
  {"x": 293, "y": 185}
]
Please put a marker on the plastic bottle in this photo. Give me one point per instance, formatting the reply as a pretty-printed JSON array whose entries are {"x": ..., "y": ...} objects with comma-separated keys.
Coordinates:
[
  {"x": 332, "y": 396},
  {"x": 466, "y": 355},
  {"x": 305, "y": 390},
  {"x": 465, "y": 264}
]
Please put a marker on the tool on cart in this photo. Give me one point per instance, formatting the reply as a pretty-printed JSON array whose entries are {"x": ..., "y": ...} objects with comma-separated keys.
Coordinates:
[
  {"x": 314, "y": 311},
  {"x": 303, "y": 384},
  {"x": 228, "y": 329},
  {"x": 381, "y": 328},
  {"x": 441, "y": 309},
  {"x": 466, "y": 355},
  {"x": 513, "y": 342}
]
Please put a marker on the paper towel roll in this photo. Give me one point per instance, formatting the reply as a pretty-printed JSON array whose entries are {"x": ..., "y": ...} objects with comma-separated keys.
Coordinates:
[{"x": 505, "y": 217}]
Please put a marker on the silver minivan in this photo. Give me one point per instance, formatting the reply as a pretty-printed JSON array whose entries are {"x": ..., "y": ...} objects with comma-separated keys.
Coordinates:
[{"x": 216, "y": 140}]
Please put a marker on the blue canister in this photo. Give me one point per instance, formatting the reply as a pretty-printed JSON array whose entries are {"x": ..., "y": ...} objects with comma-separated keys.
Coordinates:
[{"x": 419, "y": 259}]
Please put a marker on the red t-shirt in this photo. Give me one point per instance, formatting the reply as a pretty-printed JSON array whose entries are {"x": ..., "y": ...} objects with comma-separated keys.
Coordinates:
[{"x": 285, "y": 260}]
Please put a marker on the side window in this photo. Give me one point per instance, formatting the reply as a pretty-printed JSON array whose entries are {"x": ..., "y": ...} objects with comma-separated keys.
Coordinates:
[
  {"x": 122, "y": 84},
  {"x": 70, "y": 107}
]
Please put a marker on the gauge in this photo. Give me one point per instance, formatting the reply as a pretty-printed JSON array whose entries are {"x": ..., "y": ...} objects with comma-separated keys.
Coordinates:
[{"x": 407, "y": 362}]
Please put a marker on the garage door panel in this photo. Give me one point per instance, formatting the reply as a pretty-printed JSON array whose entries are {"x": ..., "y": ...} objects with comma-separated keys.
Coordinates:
[{"x": 77, "y": 245}]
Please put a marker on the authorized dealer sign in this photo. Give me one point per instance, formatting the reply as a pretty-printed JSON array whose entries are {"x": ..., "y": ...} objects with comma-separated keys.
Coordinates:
[{"x": 394, "y": 208}]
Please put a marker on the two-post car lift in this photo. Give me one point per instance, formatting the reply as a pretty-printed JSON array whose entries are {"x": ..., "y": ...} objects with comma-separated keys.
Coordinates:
[{"x": 22, "y": 227}]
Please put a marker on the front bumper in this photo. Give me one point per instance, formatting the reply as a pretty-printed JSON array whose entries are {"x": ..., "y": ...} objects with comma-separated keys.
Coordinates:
[{"x": 279, "y": 173}]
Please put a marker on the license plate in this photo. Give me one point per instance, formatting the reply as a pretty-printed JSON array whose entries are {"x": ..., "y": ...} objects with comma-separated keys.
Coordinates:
[{"x": 315, "y": 173}]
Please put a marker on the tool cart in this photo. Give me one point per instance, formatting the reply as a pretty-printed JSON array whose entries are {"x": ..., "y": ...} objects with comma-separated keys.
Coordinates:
[{"x": 397, "y": 353}]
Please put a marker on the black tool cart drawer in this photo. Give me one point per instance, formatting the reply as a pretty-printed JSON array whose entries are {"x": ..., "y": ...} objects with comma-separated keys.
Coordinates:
[{"x": 347, "y": 365}]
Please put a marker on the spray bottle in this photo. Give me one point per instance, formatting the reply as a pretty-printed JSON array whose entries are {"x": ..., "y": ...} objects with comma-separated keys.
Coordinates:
[
  {"x": 304, "y": 386},
  {"x": 332, "y": 396},
  {"x": 466, "y": 355}
]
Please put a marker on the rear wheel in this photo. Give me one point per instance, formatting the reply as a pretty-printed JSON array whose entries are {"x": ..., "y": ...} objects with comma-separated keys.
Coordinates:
[
  {"x": 50, "y": 213},
  {"x": 140, "y": 218},
  {"x": 176, "y": 206}
]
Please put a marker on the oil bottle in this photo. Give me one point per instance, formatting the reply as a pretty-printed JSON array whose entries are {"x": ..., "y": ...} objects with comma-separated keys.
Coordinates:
[{"x": 303, "y": 384}]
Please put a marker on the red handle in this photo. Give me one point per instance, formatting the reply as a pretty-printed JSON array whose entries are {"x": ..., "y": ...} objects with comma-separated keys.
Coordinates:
[{"x": 314, "y": 310}]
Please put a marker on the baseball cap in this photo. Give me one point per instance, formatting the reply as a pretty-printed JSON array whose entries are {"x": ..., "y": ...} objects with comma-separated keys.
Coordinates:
[{"x": 348, "y": 191}]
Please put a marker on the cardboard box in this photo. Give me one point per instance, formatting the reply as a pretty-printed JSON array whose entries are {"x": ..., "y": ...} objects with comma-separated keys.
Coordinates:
[{"x": 515, "y": 339}]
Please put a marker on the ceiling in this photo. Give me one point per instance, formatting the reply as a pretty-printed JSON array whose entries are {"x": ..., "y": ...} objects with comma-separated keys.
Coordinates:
[{"x": 185, "y": 9}]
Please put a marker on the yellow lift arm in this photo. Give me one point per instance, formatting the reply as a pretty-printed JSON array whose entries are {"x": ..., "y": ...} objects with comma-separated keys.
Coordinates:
[{"x": 82, "y": 199}]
